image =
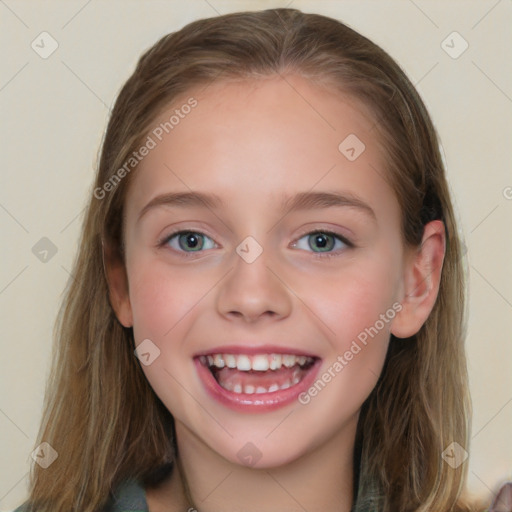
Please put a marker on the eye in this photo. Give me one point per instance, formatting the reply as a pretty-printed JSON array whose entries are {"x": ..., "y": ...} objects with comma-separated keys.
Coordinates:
[
  {"x": 182, "y": 241},
  {"x": 188, "y": 242},
  {"x": 325, "y": 241}
]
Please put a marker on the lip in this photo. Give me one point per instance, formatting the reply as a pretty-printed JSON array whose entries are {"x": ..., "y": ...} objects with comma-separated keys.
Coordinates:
[
  {"x": 257, "y": 402},
  {"x": 254, "y": 350}
]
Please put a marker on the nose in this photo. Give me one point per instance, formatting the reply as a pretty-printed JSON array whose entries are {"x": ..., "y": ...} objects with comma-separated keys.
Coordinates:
[{"x": 254, "y": 290}]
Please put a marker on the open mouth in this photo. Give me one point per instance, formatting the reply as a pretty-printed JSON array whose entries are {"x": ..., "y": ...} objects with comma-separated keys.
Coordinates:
[{"x": 259, "y": 373}]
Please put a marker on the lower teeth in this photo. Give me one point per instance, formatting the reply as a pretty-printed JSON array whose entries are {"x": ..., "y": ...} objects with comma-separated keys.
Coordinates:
[
  {"x": 249, "y": 389},
  {"x": 232, "y": 384}
]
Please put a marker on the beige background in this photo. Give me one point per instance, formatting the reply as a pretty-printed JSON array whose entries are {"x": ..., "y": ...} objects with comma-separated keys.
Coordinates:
[{"x": 54, "y": 111}]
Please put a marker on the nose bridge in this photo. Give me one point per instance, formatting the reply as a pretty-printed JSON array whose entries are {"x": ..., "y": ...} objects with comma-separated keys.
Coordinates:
[{"x": 251, "y": 288}]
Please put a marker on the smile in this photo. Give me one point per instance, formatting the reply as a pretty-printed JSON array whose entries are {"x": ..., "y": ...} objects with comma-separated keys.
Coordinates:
[
  {"x": 262, "y": 373},
  {"x": 256, "y": 381}
]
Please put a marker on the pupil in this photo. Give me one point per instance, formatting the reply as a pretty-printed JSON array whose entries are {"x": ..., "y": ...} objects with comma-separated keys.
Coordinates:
[
  {"x": 321, "y": 241},
  {"x": 320, "y": 237},
  {"x": 192, "y": 240}
]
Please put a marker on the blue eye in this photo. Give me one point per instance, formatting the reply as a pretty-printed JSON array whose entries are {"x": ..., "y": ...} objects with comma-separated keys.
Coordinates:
[
  {"x": 188, "y": 242},
  {"x": 192, "y": 240},
  {"x": 325, "y": 241}
]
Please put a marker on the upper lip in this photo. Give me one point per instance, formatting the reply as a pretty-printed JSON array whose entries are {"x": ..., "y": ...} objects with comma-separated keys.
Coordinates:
[{"x": 255, "y": 349}]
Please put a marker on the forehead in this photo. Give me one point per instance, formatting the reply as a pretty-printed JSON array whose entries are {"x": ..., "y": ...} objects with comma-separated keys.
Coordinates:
[{"x": 256, "y": 141}]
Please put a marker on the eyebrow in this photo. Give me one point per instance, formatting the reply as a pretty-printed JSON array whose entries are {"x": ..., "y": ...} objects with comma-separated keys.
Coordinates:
[{"x": 301, "y": 201}]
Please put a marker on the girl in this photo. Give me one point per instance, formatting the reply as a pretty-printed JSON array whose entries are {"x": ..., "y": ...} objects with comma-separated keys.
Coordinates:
[{"x": 267, "y": 310}]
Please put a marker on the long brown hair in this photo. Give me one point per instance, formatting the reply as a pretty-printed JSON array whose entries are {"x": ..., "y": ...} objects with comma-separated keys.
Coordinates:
[{"x": 102, "y": 416}]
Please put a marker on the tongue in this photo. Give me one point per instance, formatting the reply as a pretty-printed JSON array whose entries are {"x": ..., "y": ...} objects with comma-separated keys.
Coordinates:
[{"x": 255, "y": 378}]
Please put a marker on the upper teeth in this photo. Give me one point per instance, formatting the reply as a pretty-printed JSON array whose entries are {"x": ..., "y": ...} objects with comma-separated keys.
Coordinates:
[{"x": 260, "y": 362}]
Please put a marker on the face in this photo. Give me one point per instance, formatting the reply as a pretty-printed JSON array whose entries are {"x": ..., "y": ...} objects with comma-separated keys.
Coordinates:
[{"x": 299, "y": 296}]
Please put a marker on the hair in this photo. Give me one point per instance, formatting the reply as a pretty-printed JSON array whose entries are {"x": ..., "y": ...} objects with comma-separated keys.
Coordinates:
[{"x": 100, "y": 413}]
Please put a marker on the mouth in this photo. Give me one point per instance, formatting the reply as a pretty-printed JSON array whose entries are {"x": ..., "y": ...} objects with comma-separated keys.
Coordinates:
[{"x": 256, "y": 381}]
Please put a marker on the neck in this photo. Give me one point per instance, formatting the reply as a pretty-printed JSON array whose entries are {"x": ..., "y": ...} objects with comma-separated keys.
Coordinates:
[{"x": 321, "y": 480}]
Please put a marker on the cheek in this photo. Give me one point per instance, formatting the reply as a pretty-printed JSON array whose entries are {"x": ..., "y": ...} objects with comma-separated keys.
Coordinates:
[
  {"x": 161, "y": 297},
  {"x": 353, "y": 298},
  {"x": 364, "y": 303},
  {"x": 356, "y": 305},
  {"x": 163, "y": 302}
]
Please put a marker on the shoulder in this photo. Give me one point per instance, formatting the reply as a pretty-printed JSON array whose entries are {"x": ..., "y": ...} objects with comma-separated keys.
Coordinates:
[
  {"x": 129, "y": 496},
  {"x": 21, "y": 508},
  {"x": 503, "y": 500}
]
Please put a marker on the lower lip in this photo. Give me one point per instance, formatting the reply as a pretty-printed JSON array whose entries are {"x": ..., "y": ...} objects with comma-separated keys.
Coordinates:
[{"x": 256, "y": 402}]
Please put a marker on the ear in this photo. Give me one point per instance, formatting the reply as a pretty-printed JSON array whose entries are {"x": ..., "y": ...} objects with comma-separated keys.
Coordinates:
[
  {"x": 117, "y": 280},
  {"x": 422, "y": 276}
]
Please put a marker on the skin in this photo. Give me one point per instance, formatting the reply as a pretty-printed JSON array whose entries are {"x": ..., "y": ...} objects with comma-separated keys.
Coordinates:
[{"x": 251, "y": 143}]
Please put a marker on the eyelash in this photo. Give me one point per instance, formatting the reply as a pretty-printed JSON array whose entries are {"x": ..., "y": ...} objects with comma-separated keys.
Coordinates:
[{"x": 165, "y": 240}]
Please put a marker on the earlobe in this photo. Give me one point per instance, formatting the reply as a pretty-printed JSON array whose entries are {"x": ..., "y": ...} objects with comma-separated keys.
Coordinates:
[
  {"x": 117, "y": 280},
  {"x": 421, "y": 280}
]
